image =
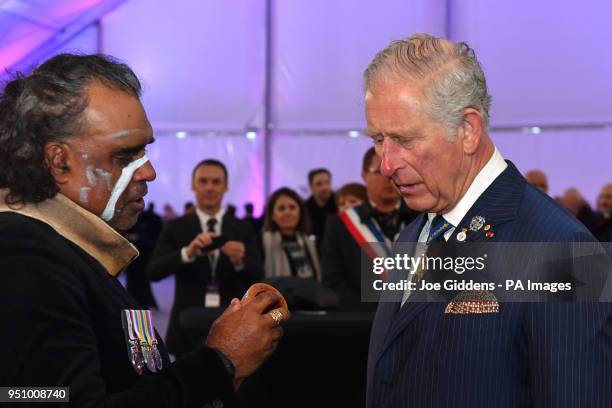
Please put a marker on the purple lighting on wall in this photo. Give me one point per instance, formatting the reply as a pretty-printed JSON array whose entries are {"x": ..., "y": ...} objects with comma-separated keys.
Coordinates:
[{"x": 30, "y": 30}]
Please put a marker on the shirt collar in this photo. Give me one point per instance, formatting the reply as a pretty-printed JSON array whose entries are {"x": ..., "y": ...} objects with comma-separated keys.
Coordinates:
[
  {"x": 205, "y": 217},
  {"x": 85, "y": 229},
  {"x": 494, "y": 167}
]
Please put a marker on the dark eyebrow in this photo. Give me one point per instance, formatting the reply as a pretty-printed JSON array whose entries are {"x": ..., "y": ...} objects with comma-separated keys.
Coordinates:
[{"x": 133, "y": 150}]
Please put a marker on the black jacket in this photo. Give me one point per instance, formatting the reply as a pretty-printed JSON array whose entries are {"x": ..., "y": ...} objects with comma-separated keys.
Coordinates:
[
  {"x": 61, "y": 326},
  {"x": 341, "y": 257},
  {"x": 318, "y": 216},
  {"x": 192, "y": 278}
]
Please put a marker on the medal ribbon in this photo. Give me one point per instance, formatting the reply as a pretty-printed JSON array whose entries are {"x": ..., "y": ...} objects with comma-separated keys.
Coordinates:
[
  {"x": 146, "y": 328},
  {"x": 150, "y": 326},
  {"x": 135, "y": 352},
  {"x": 130, "y": 323},
  {"x": 142, "y": 329},
  {"x": 137, "y": 326},
  {"x": 157, "y": 359}
]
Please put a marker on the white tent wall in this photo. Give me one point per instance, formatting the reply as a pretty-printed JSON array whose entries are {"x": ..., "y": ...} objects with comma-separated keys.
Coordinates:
[
  {"x": 201, "y": 62},
  {"x": 174, "y": 160},
  {"x": 549, "y": 66},
  {"x": 321, "y": 48},
  {"x": 546, "y": 62},
  {"x": 86, "y": 42},
  {"x": 294, "y": 155},
  {"x": 570, "y": 158},
  {"x": 203, "y": 66}
]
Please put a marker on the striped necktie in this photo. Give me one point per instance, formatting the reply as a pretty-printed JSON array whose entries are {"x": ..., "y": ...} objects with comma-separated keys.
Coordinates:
[
  {"x": 438, "y": 227},
  {"x": 212, "y": 257},
  {"x": 435, "y": 240}
]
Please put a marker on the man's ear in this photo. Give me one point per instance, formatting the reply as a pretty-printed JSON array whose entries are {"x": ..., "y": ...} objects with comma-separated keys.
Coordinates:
[
  {"x": 57, "y": 161},
  {"x": 472, "y": 129}
]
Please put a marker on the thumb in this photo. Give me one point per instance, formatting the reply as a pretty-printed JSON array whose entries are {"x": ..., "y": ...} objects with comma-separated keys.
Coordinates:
[{"x": 234, "y": 305}]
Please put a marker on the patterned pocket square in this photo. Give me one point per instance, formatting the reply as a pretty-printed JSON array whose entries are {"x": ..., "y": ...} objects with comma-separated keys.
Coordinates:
[{"x": 473, "y": 301}]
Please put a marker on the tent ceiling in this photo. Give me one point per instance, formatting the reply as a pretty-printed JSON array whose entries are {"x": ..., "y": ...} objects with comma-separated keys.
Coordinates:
[{"x": 30, "y": 28}]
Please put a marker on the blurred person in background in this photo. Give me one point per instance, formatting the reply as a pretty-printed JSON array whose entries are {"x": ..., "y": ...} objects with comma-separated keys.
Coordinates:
[
  {"x": 231, "y": 210},
  {"x": 603, "y": 223},
  {"x": 188, "y": 208},
  {"x": 380, "y": 219},
  {"x": 321, "y": 203},
  {"x": 575, "y": 203},
  {"x": 538, "y": 179},
  {"x": 169, "y": 213},
  {"x": 249, "y": 216},
  {"x": 286, "y": 246},
  {"x": 351, "y": 195},
  {"x": 205, "y": 277}
]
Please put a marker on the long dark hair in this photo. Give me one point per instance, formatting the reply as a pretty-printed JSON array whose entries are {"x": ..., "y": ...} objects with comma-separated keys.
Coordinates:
[{"x": 303, "y": 225}]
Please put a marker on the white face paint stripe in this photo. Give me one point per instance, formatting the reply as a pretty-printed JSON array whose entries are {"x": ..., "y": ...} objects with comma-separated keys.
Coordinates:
[
  {"x": 125, "y": 178},
  {"x": 84, "y": 195}
]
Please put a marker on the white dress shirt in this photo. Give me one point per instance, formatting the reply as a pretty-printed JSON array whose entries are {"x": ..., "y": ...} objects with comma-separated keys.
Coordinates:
[
  {"x": 494, "y": 167},
  {"x": 203, "y": 217}
]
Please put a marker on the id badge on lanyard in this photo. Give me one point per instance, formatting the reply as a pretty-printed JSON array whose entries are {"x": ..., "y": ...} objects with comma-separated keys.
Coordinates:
[{"x": 213, "y": 296}]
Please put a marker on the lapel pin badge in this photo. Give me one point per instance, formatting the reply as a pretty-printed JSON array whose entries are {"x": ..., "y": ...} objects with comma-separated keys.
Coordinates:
[
  {"x": 489, "y": 234},
  {"x": 462, "y": 235},
  {"x": 476, "y": 223}
]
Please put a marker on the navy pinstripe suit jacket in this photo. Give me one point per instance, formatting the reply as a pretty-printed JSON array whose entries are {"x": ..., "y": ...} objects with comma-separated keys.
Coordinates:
[{"x": 526, "y": 355}]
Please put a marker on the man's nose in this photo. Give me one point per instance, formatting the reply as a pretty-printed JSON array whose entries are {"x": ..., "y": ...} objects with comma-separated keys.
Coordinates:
[
  {"x": 389, "y": 157},
  {"x": 146, "y": 172}
]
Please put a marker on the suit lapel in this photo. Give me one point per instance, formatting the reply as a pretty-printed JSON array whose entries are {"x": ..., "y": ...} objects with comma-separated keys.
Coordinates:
[
  {"x": 498, "y": 204},
  {"x": 192, "y": 226},
  {"x": 228, "y": 225},
  {"x": 389, "y": 302}
]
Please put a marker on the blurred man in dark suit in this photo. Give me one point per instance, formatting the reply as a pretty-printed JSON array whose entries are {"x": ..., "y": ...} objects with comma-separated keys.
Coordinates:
[
  {"x": 321, "y": 203},
  {"x": 249, "y": 216},
  {"x": 205, "y": 277},
  {"x": 379, "y": 219},
  {"x": 427, "y": 108},
  {"x": 575, "y": 203}
]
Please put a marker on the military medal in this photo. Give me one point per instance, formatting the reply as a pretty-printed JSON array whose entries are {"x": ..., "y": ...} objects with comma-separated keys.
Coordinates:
[
  {"x": 462, "y": 235},
  {"x": 144, "y": 347},
  {"x": 154, "y": 350},
  {"x": 476, "y": 223},
  {"x": 134, "y": 351},
  {"x": 142, "y": 340},
  {"x": 146, "y": 340}
]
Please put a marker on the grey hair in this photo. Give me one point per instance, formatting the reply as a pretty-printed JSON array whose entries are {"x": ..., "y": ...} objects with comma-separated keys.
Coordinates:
[{"x": 452, "y": 76}]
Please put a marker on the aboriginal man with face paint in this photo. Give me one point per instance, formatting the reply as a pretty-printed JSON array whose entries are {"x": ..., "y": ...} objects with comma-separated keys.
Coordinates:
[{"x": 74, "y": 172}]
